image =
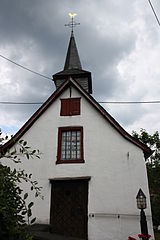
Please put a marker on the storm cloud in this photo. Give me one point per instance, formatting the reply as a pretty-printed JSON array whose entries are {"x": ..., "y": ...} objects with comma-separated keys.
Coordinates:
[{"x": 118, "y": 41}]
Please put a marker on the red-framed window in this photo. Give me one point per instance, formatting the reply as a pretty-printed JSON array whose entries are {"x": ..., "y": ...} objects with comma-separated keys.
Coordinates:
[
  {"x": 70, "y": 106},
  {"x": 70, "y": 145}
]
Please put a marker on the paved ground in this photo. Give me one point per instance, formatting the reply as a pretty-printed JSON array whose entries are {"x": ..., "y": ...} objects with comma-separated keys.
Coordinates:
[
  {"x": 50, "y": 236},
  {"x": 42, "y": 232}
]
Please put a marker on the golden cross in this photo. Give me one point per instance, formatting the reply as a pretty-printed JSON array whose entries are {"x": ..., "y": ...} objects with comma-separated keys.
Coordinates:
[{"x": 72, "y": 23}]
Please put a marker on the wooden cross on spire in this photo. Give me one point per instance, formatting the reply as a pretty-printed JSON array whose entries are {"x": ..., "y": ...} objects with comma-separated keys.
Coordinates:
[{"x": 72, "y": 23}]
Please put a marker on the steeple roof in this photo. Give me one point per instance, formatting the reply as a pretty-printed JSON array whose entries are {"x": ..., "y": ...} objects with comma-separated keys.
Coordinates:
[
  {"x": 72, "y": 58},
  {"x": 73, "y": 68}
]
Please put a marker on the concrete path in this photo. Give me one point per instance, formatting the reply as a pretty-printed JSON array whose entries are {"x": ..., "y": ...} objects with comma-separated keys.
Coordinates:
[
  {"x": 43, "y": 232},
  {"x": 51, "y": 236}
]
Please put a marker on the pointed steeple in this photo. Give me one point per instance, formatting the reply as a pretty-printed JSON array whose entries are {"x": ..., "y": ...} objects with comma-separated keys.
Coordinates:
[
  {"x": 72, "y": 58},
  {"x": 72, "y": 66}
]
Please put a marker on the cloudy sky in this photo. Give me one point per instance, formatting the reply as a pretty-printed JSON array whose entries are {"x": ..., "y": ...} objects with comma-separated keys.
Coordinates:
[{"x": 118, "y": 41}]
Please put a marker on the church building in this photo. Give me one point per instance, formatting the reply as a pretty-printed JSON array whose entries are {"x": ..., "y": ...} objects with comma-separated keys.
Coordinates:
[{"x": 90, "y": 168}]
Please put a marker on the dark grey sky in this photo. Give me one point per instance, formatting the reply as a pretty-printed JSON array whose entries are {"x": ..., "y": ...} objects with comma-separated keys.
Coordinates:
[{"x": 118, "y": 41}]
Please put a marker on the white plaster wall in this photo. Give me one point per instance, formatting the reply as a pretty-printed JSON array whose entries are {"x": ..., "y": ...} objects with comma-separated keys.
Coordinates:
[{"x": 116, "y": 167}]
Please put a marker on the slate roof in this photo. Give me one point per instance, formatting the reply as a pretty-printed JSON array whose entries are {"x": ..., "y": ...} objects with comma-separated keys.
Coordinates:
[
  {"x": 72, "y": 58},
  {"x": 72, "y": 71},
  {"x": 147, "y": 151}
]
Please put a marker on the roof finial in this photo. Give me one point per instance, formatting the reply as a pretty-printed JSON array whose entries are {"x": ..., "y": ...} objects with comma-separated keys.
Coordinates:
[{"x": 72, "y": 23}]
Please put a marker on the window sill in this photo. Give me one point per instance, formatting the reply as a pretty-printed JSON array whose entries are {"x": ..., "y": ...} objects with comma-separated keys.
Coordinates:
[{"x": 70, "y": 161}]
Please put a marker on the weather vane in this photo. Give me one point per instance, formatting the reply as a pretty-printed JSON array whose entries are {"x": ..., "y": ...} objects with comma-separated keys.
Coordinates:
[{"x": 72, "y": 23}]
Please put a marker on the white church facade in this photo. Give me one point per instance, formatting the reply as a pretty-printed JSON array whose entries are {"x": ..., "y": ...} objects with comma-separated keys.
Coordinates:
[{"x": 90, "y": 168}]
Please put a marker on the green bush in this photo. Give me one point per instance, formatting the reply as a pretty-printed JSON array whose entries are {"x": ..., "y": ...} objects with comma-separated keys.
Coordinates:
[{"x": 15, "y": 214}]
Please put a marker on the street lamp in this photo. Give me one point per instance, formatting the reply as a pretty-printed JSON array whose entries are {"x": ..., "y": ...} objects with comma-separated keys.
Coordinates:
[{"x": 141, "y": 204}]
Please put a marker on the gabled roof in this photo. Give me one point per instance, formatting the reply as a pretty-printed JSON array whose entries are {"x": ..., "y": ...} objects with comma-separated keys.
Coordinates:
[{"x": 147, "y": 151}]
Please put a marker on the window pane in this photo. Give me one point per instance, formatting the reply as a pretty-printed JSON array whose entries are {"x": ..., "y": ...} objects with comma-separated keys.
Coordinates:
[
  {"x": 78, "y": 154},
  {"x": 78, "y": 133}
]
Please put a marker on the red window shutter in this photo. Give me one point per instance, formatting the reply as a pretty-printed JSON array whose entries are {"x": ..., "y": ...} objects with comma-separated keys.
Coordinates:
[
  {"x": 70, "y": 106},
  {"x": 75, "y": 106},
  {"x": 65, "y": 107}
]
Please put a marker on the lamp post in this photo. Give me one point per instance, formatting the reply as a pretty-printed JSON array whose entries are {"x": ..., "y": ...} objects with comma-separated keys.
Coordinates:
[{"x": 141, "y": 204}]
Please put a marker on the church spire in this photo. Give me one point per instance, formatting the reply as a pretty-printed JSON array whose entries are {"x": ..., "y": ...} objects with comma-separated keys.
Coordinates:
[
  {"x": 72, "y": 66},
  {"x": 72, "y": 58}
]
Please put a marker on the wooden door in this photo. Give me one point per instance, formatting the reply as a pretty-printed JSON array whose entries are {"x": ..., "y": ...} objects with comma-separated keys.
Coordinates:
[{"x": 69, "y": 208}]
